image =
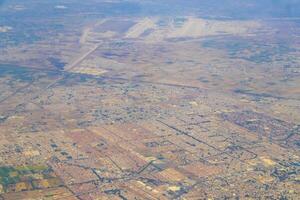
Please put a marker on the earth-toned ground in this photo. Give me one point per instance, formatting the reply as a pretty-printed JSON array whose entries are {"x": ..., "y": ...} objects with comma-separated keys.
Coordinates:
[{"x": 134, "y": 100}]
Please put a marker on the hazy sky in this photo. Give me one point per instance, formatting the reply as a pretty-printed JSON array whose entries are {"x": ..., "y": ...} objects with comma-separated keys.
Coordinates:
[{"x": 204, "y": 8}]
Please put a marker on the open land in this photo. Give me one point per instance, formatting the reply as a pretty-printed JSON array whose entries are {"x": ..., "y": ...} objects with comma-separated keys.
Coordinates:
[{"x": 148, "y": 107}]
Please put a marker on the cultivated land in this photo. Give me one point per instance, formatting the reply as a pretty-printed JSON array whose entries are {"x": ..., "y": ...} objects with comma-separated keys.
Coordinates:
[{"x": 96, "y": 106}]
